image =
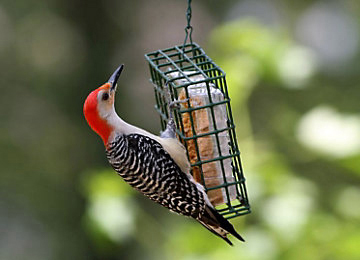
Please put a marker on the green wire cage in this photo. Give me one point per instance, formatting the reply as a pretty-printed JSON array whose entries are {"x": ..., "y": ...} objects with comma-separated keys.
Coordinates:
[{"x": 204, "y": 122}]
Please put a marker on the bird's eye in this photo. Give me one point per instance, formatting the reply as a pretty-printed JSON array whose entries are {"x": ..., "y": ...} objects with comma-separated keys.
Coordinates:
[{"x": 105, "y": 96}]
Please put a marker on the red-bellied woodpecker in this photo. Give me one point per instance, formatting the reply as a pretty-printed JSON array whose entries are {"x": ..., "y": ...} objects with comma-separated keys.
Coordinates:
[{"x": 156, "y": 166}]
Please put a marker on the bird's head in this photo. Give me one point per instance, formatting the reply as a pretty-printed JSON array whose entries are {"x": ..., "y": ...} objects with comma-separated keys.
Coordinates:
[{"x": 99, "y": 106}]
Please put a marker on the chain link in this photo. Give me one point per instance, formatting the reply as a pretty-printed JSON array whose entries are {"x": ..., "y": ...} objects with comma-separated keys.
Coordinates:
[{"x": 188, "y": 28}]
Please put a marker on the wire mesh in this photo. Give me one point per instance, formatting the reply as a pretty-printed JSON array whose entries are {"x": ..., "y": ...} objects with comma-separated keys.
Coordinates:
[{"x": 175, "y": 72}]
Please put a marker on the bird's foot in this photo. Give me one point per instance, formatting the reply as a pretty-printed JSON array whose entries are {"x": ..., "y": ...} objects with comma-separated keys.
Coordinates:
[{"x": 176, "y": 103}]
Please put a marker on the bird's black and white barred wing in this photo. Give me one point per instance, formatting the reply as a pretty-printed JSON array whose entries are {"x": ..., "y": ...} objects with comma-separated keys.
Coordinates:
[{"x": 146, "y": 166}]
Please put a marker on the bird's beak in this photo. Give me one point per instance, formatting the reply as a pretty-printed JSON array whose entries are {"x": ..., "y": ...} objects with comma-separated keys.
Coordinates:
[{"x": 115, "y": 76}]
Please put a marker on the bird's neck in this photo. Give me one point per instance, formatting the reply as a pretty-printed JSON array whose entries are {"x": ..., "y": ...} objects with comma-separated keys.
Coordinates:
[{"x": 119, "y": 126}]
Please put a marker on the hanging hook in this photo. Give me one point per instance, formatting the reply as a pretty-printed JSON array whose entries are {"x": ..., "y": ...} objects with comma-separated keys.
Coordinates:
[{"x": 188, "y": 28}]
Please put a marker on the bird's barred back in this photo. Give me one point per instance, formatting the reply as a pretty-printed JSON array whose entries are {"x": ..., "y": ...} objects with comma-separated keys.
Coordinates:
[{"x": 145, "y": 165}]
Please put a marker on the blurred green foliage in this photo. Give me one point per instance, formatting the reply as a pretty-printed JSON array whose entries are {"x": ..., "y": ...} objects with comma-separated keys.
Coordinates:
[{"x": 293, "y": 72}]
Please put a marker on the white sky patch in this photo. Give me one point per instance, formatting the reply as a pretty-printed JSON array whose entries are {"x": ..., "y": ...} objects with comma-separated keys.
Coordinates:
[
  {"x": 114, "y": 215},
  {"x": 289, "y": 211},
  {"x": 330, "y": 31},
  {"x": 296, "y": 66},
  {"x": 328, "y": 132}
]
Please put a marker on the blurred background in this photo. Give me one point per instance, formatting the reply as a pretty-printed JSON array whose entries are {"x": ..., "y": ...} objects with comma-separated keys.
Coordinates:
[{"x": 293, "y": 71}]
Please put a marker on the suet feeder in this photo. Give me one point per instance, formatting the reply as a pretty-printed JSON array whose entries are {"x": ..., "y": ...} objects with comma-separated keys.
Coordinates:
[{"x": 204, "y": 121}]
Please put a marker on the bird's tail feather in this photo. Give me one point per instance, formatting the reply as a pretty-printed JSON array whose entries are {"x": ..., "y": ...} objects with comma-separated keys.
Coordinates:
[
  {"x": 217, "y": 231},
  {"x": 218, "y": 225}
]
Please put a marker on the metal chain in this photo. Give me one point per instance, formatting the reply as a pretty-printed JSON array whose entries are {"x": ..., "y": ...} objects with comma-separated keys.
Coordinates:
[{"x": 188, "y": 28}]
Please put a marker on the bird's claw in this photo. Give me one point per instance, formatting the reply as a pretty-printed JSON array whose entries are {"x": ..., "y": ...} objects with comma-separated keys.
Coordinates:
[{"x": 176, "y": 103}]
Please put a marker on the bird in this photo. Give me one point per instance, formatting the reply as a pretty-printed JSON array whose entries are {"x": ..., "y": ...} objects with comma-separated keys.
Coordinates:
[{"x": 156, "y": 166}]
